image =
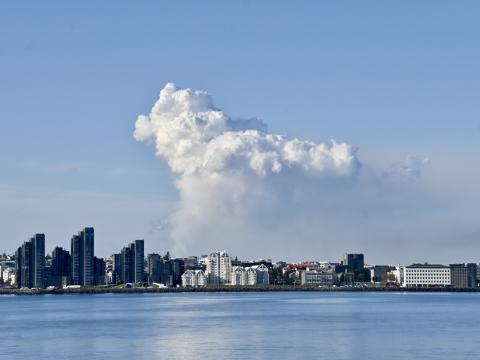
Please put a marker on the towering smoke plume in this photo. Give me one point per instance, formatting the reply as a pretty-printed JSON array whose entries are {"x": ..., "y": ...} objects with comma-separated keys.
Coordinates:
[{"x": 238, "y": 183}]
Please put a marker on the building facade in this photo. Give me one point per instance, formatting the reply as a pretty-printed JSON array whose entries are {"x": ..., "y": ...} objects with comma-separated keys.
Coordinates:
[
  {"x": 60, "y": 270},
  {"x": 30, "y": 263},
  {"x": 353, "y": 262},
  {"x": 219, "y": 268},
  {"x": 99, "y": 271},
  {"x": 426, "y": 275},
  {"x": 317, "y": 277},
  {"x": 463, "y": 276},
  {"x": 238, "y": 276},
  {"x": 132, "y": 263},
  {"x": 82, "y": 257},
  {"x": 194, "y": 278}
]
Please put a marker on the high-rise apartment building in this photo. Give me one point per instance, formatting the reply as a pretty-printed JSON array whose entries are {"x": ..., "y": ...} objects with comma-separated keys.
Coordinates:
[
  {"x": 60, "y": 271},
  {"x": 82, "y": 258},
  {"x": 116, "y": 268},
  {"x": 219, "y": 268},
  {"x": 153, "y": 266},
  {"x": 132, "y": 262},
  {"x": 99, "y": 270},
  {"x": 30, "y": 263},
  {"x": 139, "y": 261}
]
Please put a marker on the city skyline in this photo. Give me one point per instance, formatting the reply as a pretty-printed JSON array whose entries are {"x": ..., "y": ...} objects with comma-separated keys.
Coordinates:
[
  {"x": 403, "y": 98},
  {"x": 30, "y": 268},
  {"x": 82, "y": 244}
]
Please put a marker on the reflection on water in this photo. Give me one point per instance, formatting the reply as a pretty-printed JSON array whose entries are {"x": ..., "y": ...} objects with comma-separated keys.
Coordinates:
[{"x": 241, "y": 325}]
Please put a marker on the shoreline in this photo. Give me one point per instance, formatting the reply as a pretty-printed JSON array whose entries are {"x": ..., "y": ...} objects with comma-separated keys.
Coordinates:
[{"x": 223, "y": 289}]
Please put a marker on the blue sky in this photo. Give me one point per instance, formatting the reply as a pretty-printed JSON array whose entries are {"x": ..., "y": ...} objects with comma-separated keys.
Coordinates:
[{"x": 394, "y": 78}]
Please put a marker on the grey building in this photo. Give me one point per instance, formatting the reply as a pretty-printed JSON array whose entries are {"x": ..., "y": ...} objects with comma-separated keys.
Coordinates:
[
  {"x": 82, "y": 258},
  {"x": 463, "y": 276},
  {"x": 165, "y": 270},
  {"x": 139, "y": 261},
  {"x": 153, "y": 268},
  {"x": 132, "y": 265},
  {"x": 116, "y": 268},
  {"x": 317, "y": 277},
  {"x": 30, "y": 263}
]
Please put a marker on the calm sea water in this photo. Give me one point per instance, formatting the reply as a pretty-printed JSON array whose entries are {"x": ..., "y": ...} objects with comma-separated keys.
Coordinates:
[{"x": 298, "y": 325}]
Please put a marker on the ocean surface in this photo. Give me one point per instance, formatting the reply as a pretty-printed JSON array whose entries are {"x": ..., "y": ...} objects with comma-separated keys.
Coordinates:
[{"x": 282, "y": 325}]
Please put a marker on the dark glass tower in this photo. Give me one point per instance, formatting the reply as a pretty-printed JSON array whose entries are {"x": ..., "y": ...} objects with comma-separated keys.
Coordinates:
[
  {"x": 132, "y": 262},
  {"x": 30, "y": 263},
  {"x": 83, "y": 266}
]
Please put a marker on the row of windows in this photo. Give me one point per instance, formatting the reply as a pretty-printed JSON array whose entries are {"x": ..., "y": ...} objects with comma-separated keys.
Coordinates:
[{"x": 428, "y": 270}]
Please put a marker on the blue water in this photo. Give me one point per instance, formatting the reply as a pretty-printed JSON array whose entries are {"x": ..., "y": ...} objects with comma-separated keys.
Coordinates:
[{"x": 298, "y": 325}]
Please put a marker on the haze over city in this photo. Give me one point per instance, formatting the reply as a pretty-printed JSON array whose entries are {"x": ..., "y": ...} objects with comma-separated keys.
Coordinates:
[{"x": 275, "y": 131}]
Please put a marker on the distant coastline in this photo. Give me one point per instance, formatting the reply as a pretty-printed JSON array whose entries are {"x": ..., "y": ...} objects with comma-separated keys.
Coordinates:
[{"x": 223, "y": 289}]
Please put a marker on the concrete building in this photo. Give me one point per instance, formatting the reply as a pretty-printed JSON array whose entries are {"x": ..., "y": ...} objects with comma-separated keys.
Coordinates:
[
  {"x": 82, "y": 258},
  {"x": 219, "y": 268},
  {"x": 165, "y": 270},
  {"x": 194, "y": 278},
  {"x": 463, "y": 276},
  {"x": 153, "y": 268},
  {"x": 426, "y": 275},
  {"x": 258, "y": 275},
  {"x": 238, "y": 276},
  {"x": 317, "y": 277},
  {"x": 252, "y": 275},
  {"x": 30, "y": 263}
]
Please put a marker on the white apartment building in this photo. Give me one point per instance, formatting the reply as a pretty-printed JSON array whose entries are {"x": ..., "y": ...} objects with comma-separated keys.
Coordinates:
[
  {"x": 194, "y": 278},
  {"x": 425, "y": 275},
  {"x": 219, "y": 268},
  {"x": 262, "y": 275},
  {"x": 239, "y": 276},
  {"x": 253, "y": 275}
]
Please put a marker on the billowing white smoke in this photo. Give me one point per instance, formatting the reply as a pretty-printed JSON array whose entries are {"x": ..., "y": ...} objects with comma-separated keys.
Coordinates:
[
  {"x": 233, "y": 175},
  {"x": 195, "y": 137}
]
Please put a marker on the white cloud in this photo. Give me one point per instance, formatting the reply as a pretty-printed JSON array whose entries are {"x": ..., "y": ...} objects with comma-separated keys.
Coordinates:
[{"x": 255, "y": 193}]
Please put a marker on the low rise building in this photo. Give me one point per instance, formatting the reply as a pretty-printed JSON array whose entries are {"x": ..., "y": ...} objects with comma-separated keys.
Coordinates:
[
  {"x": 252, "y": 275},
  {"x": 8, "y": 276},
  {"x": 426, "y": 275},
  {"x": 378, "y": 273},
  {"x": 395, "y": 275},
  {"x": 239, "y": 276},
  {"x": 262, "y": 275},
  {"x": 317, "y": 277},
  {"x": 194, "y": 278}
]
